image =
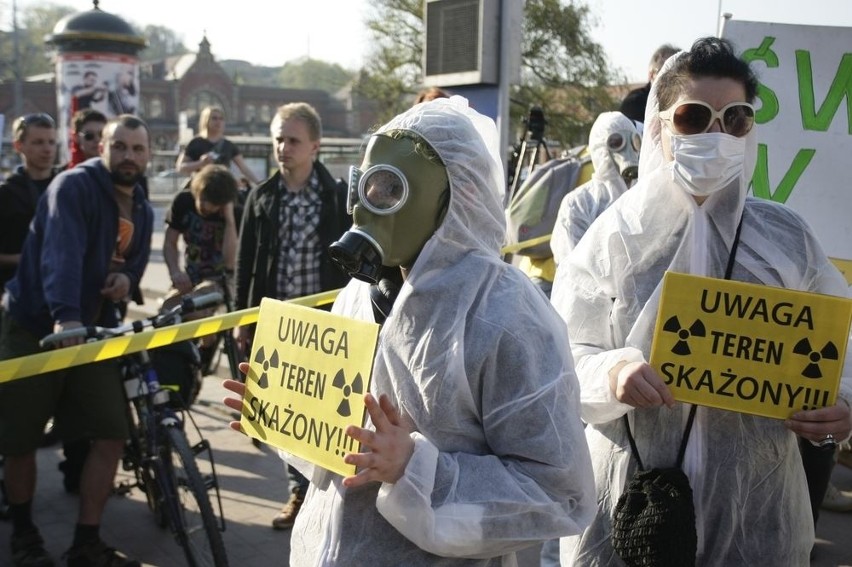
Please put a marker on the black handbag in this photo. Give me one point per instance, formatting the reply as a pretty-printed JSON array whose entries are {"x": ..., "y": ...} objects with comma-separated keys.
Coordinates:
[
  {"x": 654, "y": 519},
  {"x": 653, "y": 524}
]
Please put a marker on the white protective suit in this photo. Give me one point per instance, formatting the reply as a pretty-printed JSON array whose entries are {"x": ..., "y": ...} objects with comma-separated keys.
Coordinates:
[
  {"x": 475, "y": 358},
  {"x": 750, "y": 494},
  {"x": 583, "y": 205}
]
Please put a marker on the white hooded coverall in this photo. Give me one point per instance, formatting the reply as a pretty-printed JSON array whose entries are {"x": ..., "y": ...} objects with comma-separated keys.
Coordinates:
[
  {"x": 475, "y": 358},
  {"x": 750, "y": 495},
  {"x": 583, "y": 205}
]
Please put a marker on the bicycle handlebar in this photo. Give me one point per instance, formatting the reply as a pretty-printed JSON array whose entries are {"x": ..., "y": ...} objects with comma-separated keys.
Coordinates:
[{"x": 170, "y": 317}]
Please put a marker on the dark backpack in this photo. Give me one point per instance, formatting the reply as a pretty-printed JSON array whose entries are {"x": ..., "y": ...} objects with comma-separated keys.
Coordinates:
[{"x": 178, "y": 367}]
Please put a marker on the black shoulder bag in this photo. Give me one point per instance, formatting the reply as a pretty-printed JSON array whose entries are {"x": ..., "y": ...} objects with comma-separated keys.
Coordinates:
[{"x": 654, "y": 520}]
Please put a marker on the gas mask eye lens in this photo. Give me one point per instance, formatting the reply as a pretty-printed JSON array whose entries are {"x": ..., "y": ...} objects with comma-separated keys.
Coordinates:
[
  {"x": 382, "y": 189},
  {"x": 636, "y": 141},
  {"x": 615, "y": 142}
]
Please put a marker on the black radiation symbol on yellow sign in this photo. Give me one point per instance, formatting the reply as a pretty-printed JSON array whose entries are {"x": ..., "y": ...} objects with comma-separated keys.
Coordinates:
[
  {"x": 681, "y": 347},
  {"x": 828, "y": 352},
  {"x": 357, "y": 387},
  {"x": 260, "y": 358}
]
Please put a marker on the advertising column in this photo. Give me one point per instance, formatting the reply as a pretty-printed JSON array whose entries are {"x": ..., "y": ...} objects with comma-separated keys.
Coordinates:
[{"x": 97, "y": 67}]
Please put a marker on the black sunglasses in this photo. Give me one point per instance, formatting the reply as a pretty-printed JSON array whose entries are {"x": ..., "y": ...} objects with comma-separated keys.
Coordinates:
[{"x": 89, "y": 136}]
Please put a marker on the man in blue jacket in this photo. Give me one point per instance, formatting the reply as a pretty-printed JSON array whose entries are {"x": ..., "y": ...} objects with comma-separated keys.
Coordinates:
[{"x": 87, "y": 248}]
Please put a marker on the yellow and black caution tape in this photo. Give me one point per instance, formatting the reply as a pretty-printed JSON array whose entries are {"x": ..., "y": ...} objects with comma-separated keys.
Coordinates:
[
  {"x": 512, "y": 248},
  {"x": 63, "y": 358},
  {"x": 845, "y": 267},
  {"x": 115, "y": 347}
]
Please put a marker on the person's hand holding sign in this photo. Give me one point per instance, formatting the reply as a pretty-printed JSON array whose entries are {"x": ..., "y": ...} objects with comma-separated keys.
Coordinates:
[
  {"x": 823, "y": 426},
  {"x": 639, "y": 385},
  {"x": 390, "y": 445},
  {"x": 238, "y": 388}
]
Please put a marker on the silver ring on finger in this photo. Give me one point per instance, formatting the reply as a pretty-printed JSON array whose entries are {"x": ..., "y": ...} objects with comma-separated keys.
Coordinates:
[{"x": 826, "y": 441}]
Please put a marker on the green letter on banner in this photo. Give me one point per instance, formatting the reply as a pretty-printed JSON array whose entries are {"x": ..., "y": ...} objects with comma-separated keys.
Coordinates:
[
  {"x": 819, "y": 120},
  {"x": 760, "y": 180},
  {"x": 768, "y": 100}
]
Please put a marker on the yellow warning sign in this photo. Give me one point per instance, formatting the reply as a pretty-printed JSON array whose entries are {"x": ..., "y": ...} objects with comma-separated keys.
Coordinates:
[
  {"x": 845, "y": 267},
  {"x": 308, "y": 373},
  {"x": 749, "y": 348}
]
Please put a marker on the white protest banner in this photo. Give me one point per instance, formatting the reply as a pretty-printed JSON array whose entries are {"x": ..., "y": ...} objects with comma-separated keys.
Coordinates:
[{"x": 804, "y": 122}]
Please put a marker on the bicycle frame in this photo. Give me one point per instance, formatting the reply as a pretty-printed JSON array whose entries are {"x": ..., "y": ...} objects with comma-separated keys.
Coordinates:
[
  {"x": 158, "y": 446},
  {"x": 224, "y": 339}
]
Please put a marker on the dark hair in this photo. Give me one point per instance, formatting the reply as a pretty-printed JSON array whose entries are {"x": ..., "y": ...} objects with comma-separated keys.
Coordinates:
[
  {"x": 660, "y": 55},
  {"x": 129, "y": 121},
  {"x": 708, "y": 57},
  {"x": 23, "y": 123},
  {"x": 431, "y": 93},
  {"x": 86, "y": 115},
  {"x": 214, "y": 184}
]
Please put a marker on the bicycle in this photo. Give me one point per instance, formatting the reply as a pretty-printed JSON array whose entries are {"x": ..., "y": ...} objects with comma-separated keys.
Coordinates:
[
  {"x": 158, "y": 452},
  {"x": 225, "y": 343}
]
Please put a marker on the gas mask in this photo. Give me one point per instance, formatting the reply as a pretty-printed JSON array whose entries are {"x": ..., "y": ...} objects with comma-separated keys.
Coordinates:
[
  {"x": 397, "y": 199},
  {"x": 623, "y": 147}
]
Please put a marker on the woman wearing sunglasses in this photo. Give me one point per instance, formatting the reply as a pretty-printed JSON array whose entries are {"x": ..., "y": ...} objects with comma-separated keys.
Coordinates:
[{"x": 684, "y": 214}]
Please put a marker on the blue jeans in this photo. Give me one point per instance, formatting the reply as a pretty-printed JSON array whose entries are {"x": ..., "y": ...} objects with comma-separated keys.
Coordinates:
[
  {"x": 298, "y": 483},
  {"x": 550, "y": 553}
]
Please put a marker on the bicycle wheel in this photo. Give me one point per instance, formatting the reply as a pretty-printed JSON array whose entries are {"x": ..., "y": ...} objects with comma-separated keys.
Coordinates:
[
  {"x": 196, "y": 529},
  {"x": 149, "y": 484},
  {"x": 144, "y": 469}
]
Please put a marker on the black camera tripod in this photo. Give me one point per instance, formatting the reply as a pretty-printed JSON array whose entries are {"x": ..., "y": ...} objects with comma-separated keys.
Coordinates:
[{"x": 534, "y": 134}]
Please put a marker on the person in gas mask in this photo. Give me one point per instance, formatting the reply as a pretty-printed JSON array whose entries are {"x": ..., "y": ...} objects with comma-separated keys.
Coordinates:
[
  {"x": 689, "y": 213},
  {"x": 474, "y": 448},
  {"x": 614, "y": 145}
]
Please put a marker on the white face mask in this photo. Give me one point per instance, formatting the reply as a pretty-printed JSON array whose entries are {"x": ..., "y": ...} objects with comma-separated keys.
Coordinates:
[{"x": 706, "y": 163}]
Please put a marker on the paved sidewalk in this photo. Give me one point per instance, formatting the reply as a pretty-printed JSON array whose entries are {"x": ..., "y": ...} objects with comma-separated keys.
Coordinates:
[{"x": 252, "y": 483}]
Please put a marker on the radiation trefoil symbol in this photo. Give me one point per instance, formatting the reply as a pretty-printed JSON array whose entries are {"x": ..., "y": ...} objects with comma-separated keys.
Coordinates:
[
  {"x": 272, "y": 362},
  {"x": 357, "y": 387},
  {"x": 828, "y": 352},
  {"x": 681, "y": 347}
]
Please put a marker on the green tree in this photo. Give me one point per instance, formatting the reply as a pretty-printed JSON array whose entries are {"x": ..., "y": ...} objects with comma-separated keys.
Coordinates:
[
  {"x": 314, "y": 74},
  {"x": 562, "y": 69},
  {"x": 162, "y": 42},
  {"x": 34, "y": 24},
  {"x": 393, "y": 72}
]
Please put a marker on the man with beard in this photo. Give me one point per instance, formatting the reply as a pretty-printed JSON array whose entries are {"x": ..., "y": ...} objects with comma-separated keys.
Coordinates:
[{"x": 87, "y": 248}]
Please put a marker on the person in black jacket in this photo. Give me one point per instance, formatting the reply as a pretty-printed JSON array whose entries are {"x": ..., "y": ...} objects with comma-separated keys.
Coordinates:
[
  {"x": 288, "y": 223},
  {"x": 34, "y": 139},
  {"x": 633, "y": 105}
]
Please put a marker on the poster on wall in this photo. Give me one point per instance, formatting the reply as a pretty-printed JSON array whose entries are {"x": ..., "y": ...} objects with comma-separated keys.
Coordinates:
[
  {"x": 804, "y": 122},
  {"x": 105, "y": 82}
]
